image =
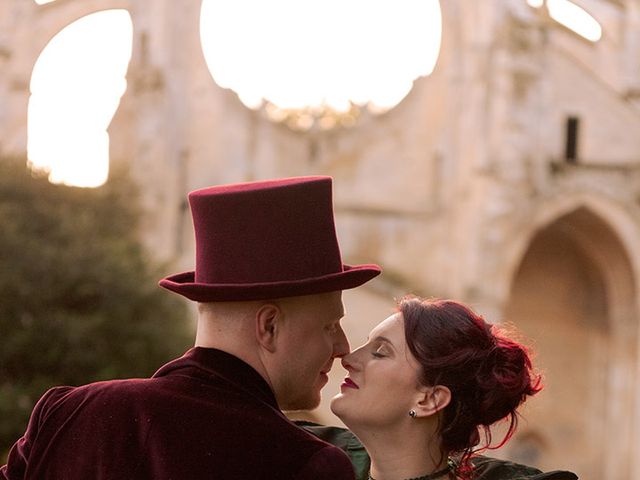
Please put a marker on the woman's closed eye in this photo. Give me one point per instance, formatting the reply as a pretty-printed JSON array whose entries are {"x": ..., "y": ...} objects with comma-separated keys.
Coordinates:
[{"x": 379, "y": 352}]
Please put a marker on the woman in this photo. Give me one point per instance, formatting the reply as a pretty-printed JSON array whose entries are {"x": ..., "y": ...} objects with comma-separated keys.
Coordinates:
[{"x": 430, "y": 379}]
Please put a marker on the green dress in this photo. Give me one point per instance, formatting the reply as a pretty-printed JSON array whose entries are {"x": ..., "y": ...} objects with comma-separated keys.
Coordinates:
[{"x": 486, "y": 468}]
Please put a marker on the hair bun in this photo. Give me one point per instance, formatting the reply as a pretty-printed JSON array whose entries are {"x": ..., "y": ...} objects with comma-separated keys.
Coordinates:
[{"x": 505, "y": 380}]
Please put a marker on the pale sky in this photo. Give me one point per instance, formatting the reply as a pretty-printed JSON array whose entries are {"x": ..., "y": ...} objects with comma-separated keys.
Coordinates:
[
  {"x": 572, "y": 16},
  {"x": 76, "y": 87},
  {"x": 297, "y": 53},
  {"x": 291, "y": 53}
]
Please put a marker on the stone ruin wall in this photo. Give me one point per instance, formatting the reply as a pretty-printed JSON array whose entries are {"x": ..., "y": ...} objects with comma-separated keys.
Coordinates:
[{"x": 460, "y": 191}]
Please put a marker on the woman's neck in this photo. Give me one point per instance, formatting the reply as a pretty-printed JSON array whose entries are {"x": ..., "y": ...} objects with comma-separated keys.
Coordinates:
[{"x": 405, "y": 452}]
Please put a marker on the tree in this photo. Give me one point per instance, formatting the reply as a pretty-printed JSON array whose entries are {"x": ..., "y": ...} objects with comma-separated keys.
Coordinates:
[{"x": 79, "y": 300}]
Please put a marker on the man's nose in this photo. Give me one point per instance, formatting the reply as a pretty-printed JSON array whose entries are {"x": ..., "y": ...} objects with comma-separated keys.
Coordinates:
[{"x": 341, "y": 344}]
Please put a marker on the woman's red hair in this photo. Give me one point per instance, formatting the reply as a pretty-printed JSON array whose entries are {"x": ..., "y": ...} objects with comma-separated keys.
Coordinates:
[{"x": 488, "y": 374}]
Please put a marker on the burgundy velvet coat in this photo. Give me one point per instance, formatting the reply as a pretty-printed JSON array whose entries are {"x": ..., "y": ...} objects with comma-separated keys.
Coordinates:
[{"x": 206, "y": 415}]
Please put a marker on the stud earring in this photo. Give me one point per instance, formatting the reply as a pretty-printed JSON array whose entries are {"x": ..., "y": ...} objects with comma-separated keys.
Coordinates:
[{"x": 412, "y": 413}]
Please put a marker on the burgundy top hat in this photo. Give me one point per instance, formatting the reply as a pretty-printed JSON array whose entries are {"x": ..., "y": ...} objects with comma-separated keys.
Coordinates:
[{"x": 263, "y": 240}]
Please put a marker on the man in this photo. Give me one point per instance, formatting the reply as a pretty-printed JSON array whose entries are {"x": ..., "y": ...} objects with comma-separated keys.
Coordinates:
[{"x": 268, "y": 282}]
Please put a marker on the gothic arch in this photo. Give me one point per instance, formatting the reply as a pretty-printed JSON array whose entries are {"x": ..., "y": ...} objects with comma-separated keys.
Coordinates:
[
  {"x": 45, "y": 21},
  {"x": 615, "y": 216},
  {"x": 582, "y": 246}
]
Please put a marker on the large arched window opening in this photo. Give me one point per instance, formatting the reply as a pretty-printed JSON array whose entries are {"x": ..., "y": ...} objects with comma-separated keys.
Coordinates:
[
  {"x": 323, "y": 59},
  {"x": 572, "y": 16},
  {"x": 76, "y": 86}
]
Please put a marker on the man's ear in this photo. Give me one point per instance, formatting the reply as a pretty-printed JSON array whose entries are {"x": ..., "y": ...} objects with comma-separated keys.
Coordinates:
[
  {"x": 268, "y": 322},
  {"x": 432, "y": 400}
]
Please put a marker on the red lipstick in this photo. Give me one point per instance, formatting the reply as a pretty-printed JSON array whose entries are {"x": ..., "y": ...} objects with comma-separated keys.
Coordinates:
[{"x": 347, "y": 382}]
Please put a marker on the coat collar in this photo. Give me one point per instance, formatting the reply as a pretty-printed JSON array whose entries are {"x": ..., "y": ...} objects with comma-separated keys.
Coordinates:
[{"x": 211, "y": 363}]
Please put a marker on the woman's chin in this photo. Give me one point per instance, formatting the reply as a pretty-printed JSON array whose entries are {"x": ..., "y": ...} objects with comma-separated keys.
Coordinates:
[{"x": 337, "y": 405}]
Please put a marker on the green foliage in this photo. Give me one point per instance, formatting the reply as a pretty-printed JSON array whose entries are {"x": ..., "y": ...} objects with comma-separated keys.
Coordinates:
[{"x": 79, "y": 300}]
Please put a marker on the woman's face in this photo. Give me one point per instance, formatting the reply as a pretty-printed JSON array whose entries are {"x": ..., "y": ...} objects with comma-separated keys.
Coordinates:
[{"x": 382, "y": 383}]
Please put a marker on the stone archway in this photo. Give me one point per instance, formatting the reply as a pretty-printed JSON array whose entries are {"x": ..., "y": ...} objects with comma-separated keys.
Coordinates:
[
  {"x": 41, "y": 23},
  {"x": 573, "y": 296}
]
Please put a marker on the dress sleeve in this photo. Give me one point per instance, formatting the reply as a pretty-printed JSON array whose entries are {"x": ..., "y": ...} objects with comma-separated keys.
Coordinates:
[
  {"x": 328, "y": 463},
  {"x": 18, "y": 459}
]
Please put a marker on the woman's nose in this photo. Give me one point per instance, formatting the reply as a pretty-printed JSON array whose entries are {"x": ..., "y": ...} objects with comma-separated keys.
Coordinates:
[
  {"x": 350, "y": 361},
  {"x": 345, "y": 362}
]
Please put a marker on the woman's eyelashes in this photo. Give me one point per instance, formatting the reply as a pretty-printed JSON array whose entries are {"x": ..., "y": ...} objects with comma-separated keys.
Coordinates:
[{"x": 379, "y": 352}]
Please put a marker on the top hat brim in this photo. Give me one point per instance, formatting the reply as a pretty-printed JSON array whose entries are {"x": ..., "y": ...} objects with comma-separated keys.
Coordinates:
[{"x": 352, "y": 276}]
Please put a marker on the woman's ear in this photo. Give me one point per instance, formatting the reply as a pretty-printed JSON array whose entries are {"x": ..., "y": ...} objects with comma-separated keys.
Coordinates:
[
  {"x": 268, "y": 321},
  {"x": 432, "y": 400}
]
